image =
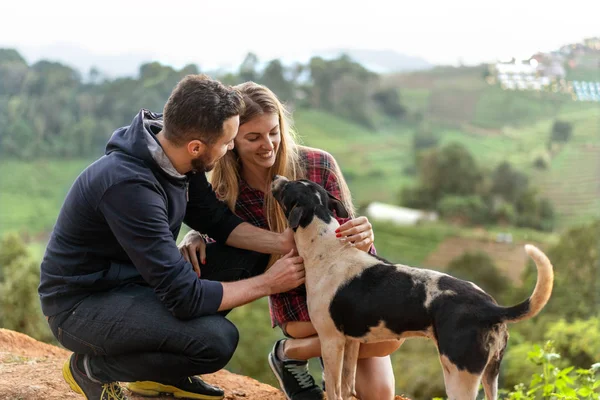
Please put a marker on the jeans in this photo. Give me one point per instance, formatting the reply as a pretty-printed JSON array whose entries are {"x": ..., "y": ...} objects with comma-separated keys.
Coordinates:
[{"x": 130, "y": 336}]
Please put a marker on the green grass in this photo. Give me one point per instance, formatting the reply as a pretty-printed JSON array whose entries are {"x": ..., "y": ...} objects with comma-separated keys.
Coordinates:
[
  {"x": 412, "y": 244},
  {"x": 497, "y": 108},
  {"x": 409, "y": 244},
  {"x": 31, "y": 193}
]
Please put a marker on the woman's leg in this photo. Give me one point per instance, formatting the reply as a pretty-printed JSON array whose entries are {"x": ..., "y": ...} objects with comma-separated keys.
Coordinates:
[
  {"x": 304, "y": 343},
  {"x": 375, "y": 379},
  {"x": 374, "y": 373}
]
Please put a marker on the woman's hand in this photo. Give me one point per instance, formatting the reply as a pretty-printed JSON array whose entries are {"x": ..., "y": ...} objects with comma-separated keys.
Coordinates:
[
  {"x": 358, "y": 232},
  {"x": 193, "y": 243}
]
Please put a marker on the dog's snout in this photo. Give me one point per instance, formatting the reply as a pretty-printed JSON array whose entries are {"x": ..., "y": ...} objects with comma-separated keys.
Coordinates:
[{"x": 277, "y": 183}]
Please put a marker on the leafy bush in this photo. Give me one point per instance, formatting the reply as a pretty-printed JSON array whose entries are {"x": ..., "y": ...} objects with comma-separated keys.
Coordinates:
[
  {"x": 554, "y": 382},
  {"x": 577, "y": 341},
  {"x": 469, "y": 209},
  {"x": 561, "y": 131},
  {"x": 19, "y": 301}
]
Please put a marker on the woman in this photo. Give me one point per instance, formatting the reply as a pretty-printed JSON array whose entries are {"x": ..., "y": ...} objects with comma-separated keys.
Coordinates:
[{"x": 264, "y": 147}]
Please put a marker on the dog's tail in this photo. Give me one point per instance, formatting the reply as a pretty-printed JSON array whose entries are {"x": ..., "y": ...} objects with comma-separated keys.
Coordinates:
[{"x": 541, "y": 294}]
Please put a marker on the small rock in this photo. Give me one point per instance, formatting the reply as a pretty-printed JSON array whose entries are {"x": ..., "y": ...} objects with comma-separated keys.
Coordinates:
[{"x": 239, "y": 393}]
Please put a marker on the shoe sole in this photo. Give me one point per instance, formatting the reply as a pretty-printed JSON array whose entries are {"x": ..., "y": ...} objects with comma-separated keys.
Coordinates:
[
  {"x": 154, "y": 389},
  {"x": 68, "y": 377},
  {"x": 281, "y": 386}
]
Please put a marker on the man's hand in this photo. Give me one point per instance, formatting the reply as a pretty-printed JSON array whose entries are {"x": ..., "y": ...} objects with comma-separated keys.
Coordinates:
[
  {"x": 358, "y": 232},
  {"x": 285, "y": 274},
  {"x": 193, "y": 244}
]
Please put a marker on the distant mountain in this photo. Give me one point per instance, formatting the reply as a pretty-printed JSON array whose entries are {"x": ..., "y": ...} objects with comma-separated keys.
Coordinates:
[
  {"x": 118, "y": 65},
  {"x": 128, "y": 64},
  {"x": 380, "y": 61}
]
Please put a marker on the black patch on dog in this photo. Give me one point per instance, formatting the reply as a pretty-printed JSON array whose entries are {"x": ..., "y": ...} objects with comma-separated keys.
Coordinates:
[
  {"x": 380, "y": 293},
  {"x": 462, "y": 323}
]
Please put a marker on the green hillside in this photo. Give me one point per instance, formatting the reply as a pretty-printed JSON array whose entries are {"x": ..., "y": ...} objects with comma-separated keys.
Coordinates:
[
  {"x": 494, "y": 124},
  {"x": 372, "y": 161}
]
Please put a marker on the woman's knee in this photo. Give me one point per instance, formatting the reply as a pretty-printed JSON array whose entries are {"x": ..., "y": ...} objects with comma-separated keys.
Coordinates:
[
  {"x": 380, "y": 349},
  {"x": 375, "y": 379},
  {"x": 298, "y": 329}
]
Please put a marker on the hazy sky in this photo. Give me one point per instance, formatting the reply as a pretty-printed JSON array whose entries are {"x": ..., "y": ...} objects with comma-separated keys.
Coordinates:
[{"x": 220, "y": 32}]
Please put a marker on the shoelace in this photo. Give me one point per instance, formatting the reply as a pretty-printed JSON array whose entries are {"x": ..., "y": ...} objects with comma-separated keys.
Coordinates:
[
  {"x": 112, "y": 391},
  {"x": 300, "y": 372}
]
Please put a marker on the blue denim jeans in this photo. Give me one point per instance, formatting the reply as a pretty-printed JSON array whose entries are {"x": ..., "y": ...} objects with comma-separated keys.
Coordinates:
[{"x": 130, "y": 336}]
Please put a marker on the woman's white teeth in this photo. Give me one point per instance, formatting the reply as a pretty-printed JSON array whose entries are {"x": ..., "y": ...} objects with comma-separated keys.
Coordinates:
[{"x": 266, "y": 155}]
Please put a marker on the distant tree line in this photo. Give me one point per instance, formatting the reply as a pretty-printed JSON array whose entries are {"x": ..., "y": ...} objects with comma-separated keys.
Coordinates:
[
  {"x": 49, "y": 110},
  {"x": 451, "y": 182}
]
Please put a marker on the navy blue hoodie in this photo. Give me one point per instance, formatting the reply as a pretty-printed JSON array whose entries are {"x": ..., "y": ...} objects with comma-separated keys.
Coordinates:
[{"x": 119, "y": 224}]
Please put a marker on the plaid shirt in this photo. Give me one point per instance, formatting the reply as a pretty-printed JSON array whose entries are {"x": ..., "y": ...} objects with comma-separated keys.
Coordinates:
[{"x": 318, "y": 164}]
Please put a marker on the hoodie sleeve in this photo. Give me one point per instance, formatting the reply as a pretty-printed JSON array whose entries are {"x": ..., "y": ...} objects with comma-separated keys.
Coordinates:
[
  {"x": 207, "y": 214},
  {"x": 136, "y": 214}
]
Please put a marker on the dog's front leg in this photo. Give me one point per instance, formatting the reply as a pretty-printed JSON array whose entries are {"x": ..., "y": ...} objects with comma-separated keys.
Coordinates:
[
  {"x": 332, "y": 351},
  {"x": 349, "y": 369}
]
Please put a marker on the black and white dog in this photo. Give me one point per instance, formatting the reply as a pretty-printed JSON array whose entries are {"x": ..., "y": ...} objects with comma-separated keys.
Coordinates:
[{"x": 354, "y": 297}]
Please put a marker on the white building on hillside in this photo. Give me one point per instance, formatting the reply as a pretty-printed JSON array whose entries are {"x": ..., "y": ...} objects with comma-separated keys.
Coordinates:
[{"x": 398, "y": 215}]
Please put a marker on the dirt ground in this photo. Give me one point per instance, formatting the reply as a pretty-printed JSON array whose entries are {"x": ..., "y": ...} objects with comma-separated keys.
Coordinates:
[{"x": 31, "y": 370}]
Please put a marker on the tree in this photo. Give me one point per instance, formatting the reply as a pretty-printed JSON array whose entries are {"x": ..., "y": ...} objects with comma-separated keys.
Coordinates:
[
  {"x": 13, "y": 72},
  {"x": 561, "y": 131},
  {"x": 19, "y": 302},
  {"x": 508, "y": 182},
  {"x": 274, "y": 78},
  {"x": 248, "y": 68},
  {"x": 423, "y": 138},
  {"x": 389, "y": 102},
  {"x": 451, "y": 170}
]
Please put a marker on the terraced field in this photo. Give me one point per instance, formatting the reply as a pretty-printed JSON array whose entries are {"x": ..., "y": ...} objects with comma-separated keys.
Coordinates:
[{"x": 573, "y": 184}]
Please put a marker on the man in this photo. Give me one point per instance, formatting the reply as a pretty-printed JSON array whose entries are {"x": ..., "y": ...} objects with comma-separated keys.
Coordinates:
[{"x": 114, "y": 286}]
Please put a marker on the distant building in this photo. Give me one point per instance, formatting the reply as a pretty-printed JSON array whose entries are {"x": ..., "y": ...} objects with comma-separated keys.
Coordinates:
[
  {"x": 592, "y": 43},
  {"x": 398, "y": 215}
]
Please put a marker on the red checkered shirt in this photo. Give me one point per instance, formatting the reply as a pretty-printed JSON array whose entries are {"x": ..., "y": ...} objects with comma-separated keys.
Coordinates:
[{"x": 318, "y": 164}]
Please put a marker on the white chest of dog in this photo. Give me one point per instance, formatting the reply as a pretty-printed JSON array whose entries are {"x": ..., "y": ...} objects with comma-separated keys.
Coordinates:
[{"x": 354, "y": 297}]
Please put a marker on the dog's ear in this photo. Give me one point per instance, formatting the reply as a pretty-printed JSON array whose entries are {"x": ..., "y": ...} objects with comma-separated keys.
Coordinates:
[
  {"x": 295, "y": 217},
  {"x": 338, "y": 206}
]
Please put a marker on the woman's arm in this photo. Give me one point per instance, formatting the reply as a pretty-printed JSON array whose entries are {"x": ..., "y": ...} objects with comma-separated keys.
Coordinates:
[{"x": 324, "y": 168}]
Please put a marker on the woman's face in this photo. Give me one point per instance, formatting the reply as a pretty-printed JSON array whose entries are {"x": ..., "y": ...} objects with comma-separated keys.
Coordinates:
[{"x": 257, "y": 141}]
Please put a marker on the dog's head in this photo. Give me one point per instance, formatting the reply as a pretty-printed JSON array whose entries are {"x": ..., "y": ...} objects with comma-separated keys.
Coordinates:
[{"x": 302, "y": 200}]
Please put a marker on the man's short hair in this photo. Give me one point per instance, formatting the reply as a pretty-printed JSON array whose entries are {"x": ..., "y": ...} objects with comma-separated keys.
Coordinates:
[{"x": 197, "y": 109}]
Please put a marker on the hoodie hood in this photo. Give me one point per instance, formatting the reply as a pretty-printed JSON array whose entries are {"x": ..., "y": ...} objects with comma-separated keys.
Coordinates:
[{"x": 139, "y": 140}]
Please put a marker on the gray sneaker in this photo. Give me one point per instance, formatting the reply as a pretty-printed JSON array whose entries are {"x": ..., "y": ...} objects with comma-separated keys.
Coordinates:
[{"x": 294, "y": 378}]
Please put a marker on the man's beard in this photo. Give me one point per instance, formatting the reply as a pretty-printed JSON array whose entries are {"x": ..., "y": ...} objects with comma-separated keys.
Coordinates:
[{"x": 202, "y": 164}]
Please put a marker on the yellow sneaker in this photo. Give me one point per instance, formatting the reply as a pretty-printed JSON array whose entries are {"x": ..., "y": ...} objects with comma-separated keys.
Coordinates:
[{"x": 189, "y": 388}]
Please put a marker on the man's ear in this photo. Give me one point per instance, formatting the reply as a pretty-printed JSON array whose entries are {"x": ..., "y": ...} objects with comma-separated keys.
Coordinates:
[
  {"x": 338, "y": 206},
  {"x": 196, "y": 147},
  {"x": 294, "y": 218}
]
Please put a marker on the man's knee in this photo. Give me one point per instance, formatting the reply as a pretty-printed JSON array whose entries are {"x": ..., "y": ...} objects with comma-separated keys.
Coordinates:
[{"x": 218, "y": 345}]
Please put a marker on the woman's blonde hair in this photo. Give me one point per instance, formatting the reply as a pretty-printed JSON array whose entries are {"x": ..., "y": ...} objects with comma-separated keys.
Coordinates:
[{"x": 225, "y": 177}]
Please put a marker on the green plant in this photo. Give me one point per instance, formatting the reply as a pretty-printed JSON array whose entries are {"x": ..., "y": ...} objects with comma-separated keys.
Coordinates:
[{"x": 554, "y": 382}]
